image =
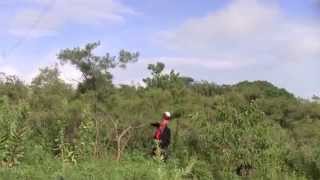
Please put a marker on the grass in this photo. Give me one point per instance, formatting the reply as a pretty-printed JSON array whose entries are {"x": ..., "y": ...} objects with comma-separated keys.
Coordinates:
[{"x": 132, "y": 167}]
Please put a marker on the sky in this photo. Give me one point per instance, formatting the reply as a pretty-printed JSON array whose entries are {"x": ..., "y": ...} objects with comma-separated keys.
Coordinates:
[{"x": 222, "y": 41}]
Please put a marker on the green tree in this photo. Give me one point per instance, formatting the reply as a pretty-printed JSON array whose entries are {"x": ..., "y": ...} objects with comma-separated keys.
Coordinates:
[
  {"x": 95, "y": 69},
  {"x": 12, "y": 87},
  {"x": 50, "y": 97},
  {"x": 97, "y": 79}
]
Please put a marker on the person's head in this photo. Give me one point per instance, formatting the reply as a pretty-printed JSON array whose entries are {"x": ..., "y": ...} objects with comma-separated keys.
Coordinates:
[{"x": 166, "y": 115}]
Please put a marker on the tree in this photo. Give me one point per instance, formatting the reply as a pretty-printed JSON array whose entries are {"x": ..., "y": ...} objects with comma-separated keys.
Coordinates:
[
  {"x": 97, "y": 79},
  {"x": 162, "y": 80},
  {"x": 156, "y": 70},
  {"x": 315, "y": 98},
  {"x": 95, "y": 69},
  {"x": 50, "y": 98},
  {"x": 13, "y": 87}
]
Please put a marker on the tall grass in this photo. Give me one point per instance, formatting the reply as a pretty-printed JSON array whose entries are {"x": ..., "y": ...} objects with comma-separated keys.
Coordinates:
[{"x": 131, "y": 167}]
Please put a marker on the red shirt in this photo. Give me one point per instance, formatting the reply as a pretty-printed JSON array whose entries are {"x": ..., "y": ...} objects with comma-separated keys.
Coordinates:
[{"x": 164, "y": 123}]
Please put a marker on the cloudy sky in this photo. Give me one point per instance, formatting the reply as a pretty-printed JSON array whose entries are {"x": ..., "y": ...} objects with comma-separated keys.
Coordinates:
[{"x": 224, "y": 41}]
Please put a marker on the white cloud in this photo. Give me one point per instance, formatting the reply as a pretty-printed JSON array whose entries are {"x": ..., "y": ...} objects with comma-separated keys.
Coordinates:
[
  {"x": 134, "y": 73},
  {"x": 46, "y": 17},
  {"x": 70, "y": 74},
  {"x": 211, "y": 63},
  {"x": 9, "y": 70},
  {"x": 245, "y": 29}
]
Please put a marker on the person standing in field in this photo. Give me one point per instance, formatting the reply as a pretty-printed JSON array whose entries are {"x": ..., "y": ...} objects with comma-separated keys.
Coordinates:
[{"x": 162, "y": 137}]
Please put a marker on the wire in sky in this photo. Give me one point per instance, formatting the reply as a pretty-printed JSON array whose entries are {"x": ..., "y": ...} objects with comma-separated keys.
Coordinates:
[{"x": 39, "y": 18}]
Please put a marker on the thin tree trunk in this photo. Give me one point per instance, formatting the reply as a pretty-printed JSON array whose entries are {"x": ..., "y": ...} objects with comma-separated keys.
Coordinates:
[
  {"x": 119, "y": 148},
  {"x": 96, "y": 153},
  {"x": 176, "y": 134},
  {"x": 97, "y": 149}
]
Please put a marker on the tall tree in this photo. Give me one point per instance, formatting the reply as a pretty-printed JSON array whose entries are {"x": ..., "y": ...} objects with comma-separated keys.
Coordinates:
[
  {"x": 95, "y": 69},
  {"x": 97, "y": 79}
]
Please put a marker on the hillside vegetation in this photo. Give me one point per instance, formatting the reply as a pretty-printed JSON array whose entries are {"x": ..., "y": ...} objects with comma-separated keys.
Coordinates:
[{"x": 51, "y": 130}]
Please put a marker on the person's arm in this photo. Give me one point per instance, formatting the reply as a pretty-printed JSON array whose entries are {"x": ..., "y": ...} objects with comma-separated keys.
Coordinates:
[{"x": 157, "y": 124}]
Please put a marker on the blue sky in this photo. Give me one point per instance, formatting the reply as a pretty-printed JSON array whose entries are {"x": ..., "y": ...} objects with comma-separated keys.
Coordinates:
[{"x": 221, "y": 41}]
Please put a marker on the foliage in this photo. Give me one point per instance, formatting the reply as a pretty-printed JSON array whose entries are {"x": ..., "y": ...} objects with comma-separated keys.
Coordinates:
[
  {"x": 13, "y": 132},
  {"x": 51, "y": 129}
]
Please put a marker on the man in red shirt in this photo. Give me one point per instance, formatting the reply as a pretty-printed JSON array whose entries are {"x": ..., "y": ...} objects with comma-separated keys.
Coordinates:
[{"x": 162, "y": 136}]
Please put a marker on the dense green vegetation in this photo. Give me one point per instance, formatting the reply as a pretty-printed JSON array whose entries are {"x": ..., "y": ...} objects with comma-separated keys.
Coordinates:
[{"x": 51, "y": 130}]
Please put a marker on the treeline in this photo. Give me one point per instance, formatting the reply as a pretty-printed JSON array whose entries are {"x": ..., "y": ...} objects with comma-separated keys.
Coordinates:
[{"x": 251, "y": 129}]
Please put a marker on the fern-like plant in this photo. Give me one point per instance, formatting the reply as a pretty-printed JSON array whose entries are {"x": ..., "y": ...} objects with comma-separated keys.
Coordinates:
[{"x": 13, "y": 132}]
